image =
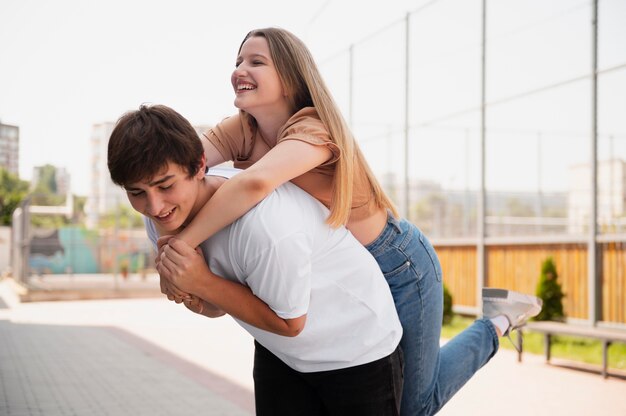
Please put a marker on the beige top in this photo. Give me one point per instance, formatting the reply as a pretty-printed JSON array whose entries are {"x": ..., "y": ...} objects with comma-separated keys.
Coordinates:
[{"x": 237, "y": 139}]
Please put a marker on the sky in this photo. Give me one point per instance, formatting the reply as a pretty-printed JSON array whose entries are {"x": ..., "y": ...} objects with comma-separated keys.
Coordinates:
[{"x": 69, "y": 64}]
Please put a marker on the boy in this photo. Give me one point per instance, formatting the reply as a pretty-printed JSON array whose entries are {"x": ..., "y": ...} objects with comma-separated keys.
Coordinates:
[{"x": 325, "y": 326}]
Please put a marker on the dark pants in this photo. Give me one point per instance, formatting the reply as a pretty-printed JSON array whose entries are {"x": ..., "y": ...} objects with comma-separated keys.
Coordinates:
[{"x": 370, "y": 389}]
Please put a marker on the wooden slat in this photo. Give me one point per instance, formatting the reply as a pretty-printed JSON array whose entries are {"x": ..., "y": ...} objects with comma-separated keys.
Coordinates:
[
  {"x": 458, "y": 264},
  {"x": 518, "y": 266},
  {"x": 613, "y": 281}
]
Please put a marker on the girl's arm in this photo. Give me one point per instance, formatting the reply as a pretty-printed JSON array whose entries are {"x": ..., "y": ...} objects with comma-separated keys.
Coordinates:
[
  {"x": 187, "y": 269},
  {"x": 287, "y": 160},
  {"x": 213, "y": 156}
]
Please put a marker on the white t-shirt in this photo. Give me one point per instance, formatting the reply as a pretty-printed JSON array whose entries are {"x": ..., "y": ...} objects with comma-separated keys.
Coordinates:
[{"x": 292, "y": 260}]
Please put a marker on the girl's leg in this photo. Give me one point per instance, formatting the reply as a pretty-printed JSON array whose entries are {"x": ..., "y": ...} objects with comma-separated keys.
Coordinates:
[{"x": 431, "y": 375}]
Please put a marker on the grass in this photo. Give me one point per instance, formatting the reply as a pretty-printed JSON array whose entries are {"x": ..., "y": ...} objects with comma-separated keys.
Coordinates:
[{"x": 571, "y": 348}]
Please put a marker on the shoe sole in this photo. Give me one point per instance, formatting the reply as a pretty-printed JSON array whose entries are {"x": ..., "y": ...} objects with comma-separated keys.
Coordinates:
[{"x": 510, "y": 296}]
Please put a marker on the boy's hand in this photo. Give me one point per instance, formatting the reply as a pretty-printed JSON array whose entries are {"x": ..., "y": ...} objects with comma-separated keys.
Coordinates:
[
  {"x": 195, "y": 304},
  {"x": 172, "y": 292},
  {"x": 202, "y": 307},
  {"x": 182, "y": 266}
]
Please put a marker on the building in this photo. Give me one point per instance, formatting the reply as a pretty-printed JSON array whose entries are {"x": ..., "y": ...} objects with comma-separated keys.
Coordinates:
[
  {"x": 201, "y": 128},
  {"x": 104, "y": 196},
  {"x": 10, "y": 148},
  {"x": 611, "y": 196}
]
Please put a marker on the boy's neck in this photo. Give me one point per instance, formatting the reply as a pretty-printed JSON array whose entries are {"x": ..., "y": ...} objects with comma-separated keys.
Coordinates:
[{"x": 208, "y": 187}]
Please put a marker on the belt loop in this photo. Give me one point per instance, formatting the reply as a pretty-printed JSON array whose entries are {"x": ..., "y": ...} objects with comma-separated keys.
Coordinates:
[{"x": 394, "y": 222}]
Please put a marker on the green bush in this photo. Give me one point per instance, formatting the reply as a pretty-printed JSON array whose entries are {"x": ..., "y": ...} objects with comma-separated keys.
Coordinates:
[
  {"x": 447, "y": 306},
  {"x": 550, "y": 292}
]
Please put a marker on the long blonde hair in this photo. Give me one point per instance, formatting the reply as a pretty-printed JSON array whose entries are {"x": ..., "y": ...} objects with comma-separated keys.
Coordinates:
[{"x": 306, "y": 88}]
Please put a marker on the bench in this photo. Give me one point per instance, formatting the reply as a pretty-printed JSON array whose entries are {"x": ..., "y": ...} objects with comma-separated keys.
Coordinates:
[{"x": 606, "y": 335}]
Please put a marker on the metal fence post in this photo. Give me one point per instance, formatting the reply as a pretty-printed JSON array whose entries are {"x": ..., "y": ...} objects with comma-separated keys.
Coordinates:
[{"x": 593, "y": 275}]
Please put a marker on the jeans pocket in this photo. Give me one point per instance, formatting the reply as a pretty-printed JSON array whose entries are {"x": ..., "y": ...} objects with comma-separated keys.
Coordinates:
[{"x": 398, "y": 270}]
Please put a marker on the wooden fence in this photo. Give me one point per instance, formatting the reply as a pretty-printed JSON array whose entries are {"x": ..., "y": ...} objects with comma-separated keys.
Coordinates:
[{"x": 518, "y": 266}]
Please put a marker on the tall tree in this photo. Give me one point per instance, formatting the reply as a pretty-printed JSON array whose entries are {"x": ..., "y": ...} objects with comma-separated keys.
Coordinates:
[
  {"x": 45, "y": 192},
  {"x": 12, "y": 191}
]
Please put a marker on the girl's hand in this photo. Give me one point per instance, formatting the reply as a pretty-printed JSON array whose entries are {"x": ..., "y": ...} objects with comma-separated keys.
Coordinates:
[
  {"x": 182, "y": 266},
  {"x": 162, "y": 242},
  {"x": 167, "y": 288}
]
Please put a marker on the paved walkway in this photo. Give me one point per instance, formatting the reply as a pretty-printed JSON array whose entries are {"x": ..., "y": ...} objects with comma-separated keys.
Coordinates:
[
  {"x": 153, "y": 357},
  {"x": 89, "y": 286}
]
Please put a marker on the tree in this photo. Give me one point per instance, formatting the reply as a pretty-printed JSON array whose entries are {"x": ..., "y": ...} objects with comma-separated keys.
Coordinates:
[
  {"x": 122, "y": 216},
  {"x": 517, "y": 208},
  {"x": 447, "y": 306},
  {"x": 12, "y": 192},
  {"x": 45, "y": 192},
  {"x": 550, "y": 292},
  {"x": 47, "y": 180}
]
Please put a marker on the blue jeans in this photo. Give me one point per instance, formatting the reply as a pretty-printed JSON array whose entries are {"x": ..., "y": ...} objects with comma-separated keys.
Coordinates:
[{"x": 432, "y": 375}]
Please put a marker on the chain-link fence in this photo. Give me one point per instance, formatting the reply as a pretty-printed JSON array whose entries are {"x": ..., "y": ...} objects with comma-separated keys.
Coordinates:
[{"x": 502, "y": 103}]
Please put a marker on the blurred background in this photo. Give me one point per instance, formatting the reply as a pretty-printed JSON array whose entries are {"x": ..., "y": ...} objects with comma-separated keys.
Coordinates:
[{"x": 497, "y": 127}]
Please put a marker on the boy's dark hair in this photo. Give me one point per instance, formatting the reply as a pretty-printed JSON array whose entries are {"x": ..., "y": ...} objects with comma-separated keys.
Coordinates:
[{"x": 145, "y": 140}]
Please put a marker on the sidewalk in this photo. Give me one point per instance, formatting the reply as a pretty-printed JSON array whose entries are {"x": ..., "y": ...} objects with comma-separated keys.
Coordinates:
[
  {"x": 119, "y": 357},
  {"x": 153, "y": 357},
  {"x": 89, "y": 286}
]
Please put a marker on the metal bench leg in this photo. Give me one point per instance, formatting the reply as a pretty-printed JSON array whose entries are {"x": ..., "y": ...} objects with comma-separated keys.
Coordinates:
[
  {"x": 548, "y": 342},
  {"x": 605, "y": 358}
]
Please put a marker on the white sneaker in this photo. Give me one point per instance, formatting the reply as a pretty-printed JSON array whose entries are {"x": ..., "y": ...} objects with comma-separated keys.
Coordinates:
[{"x": 517, "y": 307}]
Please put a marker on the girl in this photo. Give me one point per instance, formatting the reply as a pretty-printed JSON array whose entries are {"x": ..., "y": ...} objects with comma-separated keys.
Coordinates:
[{"x": 290, "y": 129}]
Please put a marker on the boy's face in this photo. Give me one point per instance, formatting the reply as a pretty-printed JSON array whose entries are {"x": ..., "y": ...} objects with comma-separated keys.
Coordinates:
[{"x": 168, "y": 199}]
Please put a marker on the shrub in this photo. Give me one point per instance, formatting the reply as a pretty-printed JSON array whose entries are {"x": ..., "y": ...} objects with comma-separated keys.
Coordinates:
[
  {"x": 447, "y": 306},
  {"x": 550, "y": 292}
]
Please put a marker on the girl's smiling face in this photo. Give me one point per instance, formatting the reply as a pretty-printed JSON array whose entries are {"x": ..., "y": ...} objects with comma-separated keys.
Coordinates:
[{"x": 255, "y": 79}]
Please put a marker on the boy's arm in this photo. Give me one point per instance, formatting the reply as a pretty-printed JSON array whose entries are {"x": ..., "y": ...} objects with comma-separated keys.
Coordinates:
[
  {"x": 199, "y": 306},
  {"x": 287, "y": 160},
  {"x": 187, "y": 269}
]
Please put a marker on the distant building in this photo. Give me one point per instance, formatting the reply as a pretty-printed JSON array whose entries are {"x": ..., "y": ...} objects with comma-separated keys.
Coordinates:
[
  {"x": 64, "y": 181},
  {"x": 449, "y": 213},
  {"x": 611, "y": 194},
  {"x": 104, "y": 196},
  {"x": 10, "y": 148},
  {"x": 201, "y": 128}
]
